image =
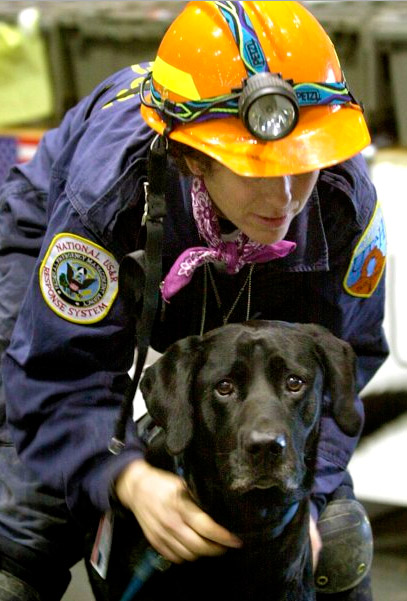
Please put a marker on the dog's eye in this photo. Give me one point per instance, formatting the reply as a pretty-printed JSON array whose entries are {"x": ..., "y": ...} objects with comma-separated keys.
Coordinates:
[
  {"x": 225, "y": 387},
  {"x": 295, "y": 383}
]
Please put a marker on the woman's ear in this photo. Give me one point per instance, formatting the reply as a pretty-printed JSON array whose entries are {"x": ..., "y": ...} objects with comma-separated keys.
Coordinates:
[{"x": 194, "y": 165}]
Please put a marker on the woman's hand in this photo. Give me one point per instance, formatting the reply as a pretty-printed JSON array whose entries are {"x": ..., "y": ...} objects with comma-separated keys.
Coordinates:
[
  {"x": 316, "y": 542},
  {"x": 173, "y": 524}
]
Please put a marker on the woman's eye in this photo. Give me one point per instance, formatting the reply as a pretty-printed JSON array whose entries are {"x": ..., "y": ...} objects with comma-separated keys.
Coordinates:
[
  {"x": 225, "y": 387},
  {"x": 294, "y": 383}
]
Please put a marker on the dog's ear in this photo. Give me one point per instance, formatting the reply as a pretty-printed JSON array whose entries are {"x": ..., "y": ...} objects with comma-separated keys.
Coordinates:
[
  {"x": 167, "y": 390},
  {"x": 339, "y": 361}
]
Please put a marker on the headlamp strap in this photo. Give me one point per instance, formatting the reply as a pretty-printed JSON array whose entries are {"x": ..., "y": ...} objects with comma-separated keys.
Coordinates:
[
  {"x": 148, "y": 261},
  {"x": 322, "y": 94},
  {"x": 245, "y": 36}
]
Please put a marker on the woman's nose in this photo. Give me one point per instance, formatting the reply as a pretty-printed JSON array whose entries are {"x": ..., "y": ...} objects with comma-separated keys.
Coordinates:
[{"x": 277, "y": 191}]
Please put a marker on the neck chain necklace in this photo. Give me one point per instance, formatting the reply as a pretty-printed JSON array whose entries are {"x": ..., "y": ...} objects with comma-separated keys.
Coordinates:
[{"x": 225, "y": 316}]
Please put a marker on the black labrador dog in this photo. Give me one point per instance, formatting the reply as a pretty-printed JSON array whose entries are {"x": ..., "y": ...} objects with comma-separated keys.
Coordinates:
[{"x": 240, "y": 410}]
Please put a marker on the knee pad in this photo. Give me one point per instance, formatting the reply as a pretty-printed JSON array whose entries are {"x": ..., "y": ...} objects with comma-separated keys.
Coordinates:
[{"x": 347, "y": 551}]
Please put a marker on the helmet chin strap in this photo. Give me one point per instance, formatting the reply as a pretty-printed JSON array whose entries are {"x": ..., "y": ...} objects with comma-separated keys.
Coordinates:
[{"x": 141, "y": 270}]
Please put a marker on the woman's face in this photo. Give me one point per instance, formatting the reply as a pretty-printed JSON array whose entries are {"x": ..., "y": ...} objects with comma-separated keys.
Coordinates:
[{"x": 261, "y": 207}]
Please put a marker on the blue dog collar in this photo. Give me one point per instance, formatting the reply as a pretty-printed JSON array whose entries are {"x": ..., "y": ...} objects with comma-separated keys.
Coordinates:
[{"x": 288, "y": 516}]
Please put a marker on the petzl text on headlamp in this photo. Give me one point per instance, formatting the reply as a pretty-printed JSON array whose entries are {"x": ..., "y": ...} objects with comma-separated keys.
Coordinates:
[{"x": 267, "y": 104}]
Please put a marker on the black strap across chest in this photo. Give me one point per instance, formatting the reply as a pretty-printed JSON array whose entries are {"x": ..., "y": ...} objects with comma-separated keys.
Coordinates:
[{"x": 142, "y": 270}]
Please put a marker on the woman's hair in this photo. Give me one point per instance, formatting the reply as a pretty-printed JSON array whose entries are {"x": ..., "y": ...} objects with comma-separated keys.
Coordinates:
[{"x": 178, "y": 151}]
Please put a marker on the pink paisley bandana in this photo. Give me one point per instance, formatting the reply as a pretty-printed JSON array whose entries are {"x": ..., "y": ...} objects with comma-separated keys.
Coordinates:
[{"x": 234, "y": 255}]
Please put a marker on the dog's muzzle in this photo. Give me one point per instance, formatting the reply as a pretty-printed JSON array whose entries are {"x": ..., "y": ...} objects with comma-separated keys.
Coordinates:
[{"x": 263, "y": 460}]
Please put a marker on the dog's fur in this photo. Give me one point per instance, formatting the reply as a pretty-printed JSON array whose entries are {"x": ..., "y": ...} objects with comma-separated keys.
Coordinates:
[{"x": 241, "y": 407}]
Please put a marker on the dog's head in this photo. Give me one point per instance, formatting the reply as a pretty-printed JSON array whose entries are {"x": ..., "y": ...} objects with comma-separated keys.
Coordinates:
[{"x": 251, "y": 395}]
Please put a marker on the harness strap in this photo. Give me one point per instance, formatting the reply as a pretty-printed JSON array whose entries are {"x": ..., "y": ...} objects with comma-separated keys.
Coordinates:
[{"x": 147, "y": 263}]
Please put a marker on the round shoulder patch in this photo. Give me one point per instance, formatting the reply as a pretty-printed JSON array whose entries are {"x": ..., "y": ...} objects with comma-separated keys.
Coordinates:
[
  {"x": 369, "y": 258},
  {"x": 78, "y": 279}
]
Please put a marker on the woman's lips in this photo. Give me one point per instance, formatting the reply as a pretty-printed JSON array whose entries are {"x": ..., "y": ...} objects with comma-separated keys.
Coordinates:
[{"x": 272, "y": 222}]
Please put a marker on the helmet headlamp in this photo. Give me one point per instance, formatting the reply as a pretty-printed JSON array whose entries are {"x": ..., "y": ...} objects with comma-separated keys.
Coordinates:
[{"x": 268, "y": 106}]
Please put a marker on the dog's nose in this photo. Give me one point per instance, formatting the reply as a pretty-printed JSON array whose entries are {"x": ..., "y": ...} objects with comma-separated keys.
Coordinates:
[{"x": 261, "y": 442}]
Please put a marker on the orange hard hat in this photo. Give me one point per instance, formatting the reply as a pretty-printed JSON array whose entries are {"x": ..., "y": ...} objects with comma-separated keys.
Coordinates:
[{"x": 202, "y": 58}]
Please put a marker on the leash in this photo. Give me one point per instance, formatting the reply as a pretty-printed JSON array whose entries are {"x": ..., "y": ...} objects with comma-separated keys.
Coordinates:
[
  {"x": 150, "y": 563},
  {"x": 153, "y": 561}
]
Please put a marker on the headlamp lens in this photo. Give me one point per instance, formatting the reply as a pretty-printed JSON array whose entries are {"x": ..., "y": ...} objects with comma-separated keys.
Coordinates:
[
  {"x": 271, "y": 117},
  {"x": 268, "y": 106}
]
